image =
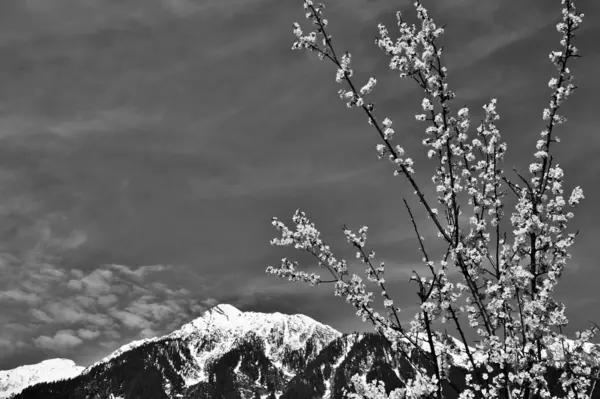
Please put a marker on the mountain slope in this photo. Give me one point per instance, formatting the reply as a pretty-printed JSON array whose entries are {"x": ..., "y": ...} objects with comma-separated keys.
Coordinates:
[
  {"x": 15, "y": 380},
  {"x": 330, "y": 372},
  {"x": 367, "y": 354}
]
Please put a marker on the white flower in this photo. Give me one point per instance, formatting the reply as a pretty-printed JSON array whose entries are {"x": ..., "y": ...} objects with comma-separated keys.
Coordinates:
[
  {"x": 546, "y": 114},
  {"x": 576, "y": 196},
  {"x": 368, "y": 88},
  {"x": 426, "y": 105}
]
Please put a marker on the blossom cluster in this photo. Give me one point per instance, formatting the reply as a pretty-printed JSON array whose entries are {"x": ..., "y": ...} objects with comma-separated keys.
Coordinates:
[{"x": 508, "y": 277}]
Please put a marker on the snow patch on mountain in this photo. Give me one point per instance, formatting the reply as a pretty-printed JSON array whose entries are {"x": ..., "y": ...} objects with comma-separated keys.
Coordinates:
[{"x": 14, "y": 381}]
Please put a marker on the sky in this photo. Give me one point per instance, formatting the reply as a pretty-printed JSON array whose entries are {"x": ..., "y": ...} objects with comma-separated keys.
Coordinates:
[{"x": 146, "y": 144}]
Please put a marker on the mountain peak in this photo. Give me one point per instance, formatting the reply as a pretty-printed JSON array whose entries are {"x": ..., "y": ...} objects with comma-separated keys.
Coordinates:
[{"x": 226, "y": 310}]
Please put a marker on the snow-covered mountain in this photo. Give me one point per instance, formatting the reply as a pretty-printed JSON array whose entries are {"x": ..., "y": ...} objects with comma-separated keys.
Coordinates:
[
  {"x": 223, "y": 351},
  {"x": 287, "y": 341},
  {"x": 15, "y": 380}
]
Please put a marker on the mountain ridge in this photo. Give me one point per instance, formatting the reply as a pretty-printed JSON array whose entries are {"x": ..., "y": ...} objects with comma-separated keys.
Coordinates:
[
  {"x": 191, "y": 357},
  {"x": 227, "y": 353}
]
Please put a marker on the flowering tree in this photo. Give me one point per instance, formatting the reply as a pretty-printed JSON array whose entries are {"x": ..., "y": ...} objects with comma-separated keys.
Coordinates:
[{"x": 506, "y": 291}]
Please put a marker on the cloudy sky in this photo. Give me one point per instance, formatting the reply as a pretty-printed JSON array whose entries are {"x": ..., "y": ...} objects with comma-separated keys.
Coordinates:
[{"x": 145, "y": 145}]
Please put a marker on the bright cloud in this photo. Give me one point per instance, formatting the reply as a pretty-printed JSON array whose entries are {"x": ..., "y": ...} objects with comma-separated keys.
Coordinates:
[
  {"x": 88, "y": 334},
  {"x": 61, "y": 341},
  {"x": 40, "y": 315},
  {"x": 20, "y": 296}
]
